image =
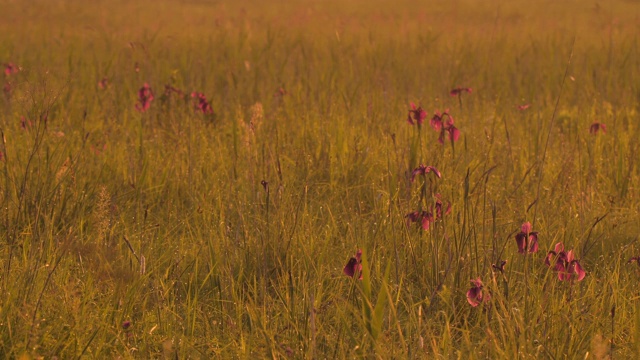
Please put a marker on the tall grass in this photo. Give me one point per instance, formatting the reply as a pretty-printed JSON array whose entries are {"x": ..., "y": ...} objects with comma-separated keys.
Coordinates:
[{"x": 177, "y": 234}]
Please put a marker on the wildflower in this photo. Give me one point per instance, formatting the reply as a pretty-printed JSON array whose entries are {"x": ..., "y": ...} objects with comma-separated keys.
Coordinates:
[
  {"x": 201, "y": 103},
  {"x": 499, "y": 267},
  {"x": 475, "y": 296},
  {"x": 103, "y": 83},
  {"x": 10, "y": 68},
  {"x": 565, "y": 263},
  {"x": 126, "y": 324},
  {"x": 424, "y": 170},
  {"x": 527, "y": 239},
  {"x": 523, "y": 107},
  {"x": 416, "y": 115},
  {"x": 436, "y": 121},
  {"x": 424, "y": 218},
  {"x": 439, "y": 204},
  {"x": 354, "y": 265},
  {"x": 596, "y": 126},
  {"x": 445, "y": 126},
  {"x": 452, "y": 132},
  {"x": 636, "y": 259},
  {"x": 145, "y": 96},
  {"x": 459, "y": 91},
  {"x": 559, "y": 249}
]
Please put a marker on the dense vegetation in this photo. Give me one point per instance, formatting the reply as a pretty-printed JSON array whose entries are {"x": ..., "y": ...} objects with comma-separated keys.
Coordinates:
[{"x": 188, "y": 179}]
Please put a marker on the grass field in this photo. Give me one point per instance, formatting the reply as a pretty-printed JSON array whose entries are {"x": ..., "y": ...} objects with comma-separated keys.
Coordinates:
[{"x": 217, "y": 212}]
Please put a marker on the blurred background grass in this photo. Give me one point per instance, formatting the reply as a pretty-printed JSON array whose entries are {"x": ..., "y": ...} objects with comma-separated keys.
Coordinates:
[{"x": 159, "y": 219}]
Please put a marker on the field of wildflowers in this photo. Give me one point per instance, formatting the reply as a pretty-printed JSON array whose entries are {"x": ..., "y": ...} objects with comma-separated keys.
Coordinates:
[{"x": 319, "y": 179}]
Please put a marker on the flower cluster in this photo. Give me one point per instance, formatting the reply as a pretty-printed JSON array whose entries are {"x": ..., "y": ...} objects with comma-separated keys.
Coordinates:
[
  {"x": 443, "y": 122},
  {"x": 416, "y": 115},
  {"x": 145, "y": 97},
  {"x": 565, "y": 263},
  {"x": 201, "y": 103},
  {"x": 425, "y": 218}
]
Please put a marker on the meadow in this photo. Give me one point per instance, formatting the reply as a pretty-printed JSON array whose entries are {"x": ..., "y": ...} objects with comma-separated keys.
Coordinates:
[{"x": 319, "y": 179}]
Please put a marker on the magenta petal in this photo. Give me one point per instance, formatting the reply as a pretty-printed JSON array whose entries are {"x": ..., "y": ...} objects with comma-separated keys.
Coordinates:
[
  {"x": 425, "y": 223},
  {"x": 438, "y": 209},
  {"x": 449, "y": 122},
  {"x": 410, "y": 120},
  {"x": 559, "y": 248},
  {"x": 412, "y": 216},
  {"x": 521, "y": 241},
  {"x": 563, "y": 274},
  {"x": 359, "y": 255},
  {"x": 427, "y": 219},
  {"x": 526, "y": 227},
  {"x": 353, "y": 266},
  {"x": 454, "y": 133},
  {"x": 575, "y": 268},
  {"x": 474, "y": 296},
  {"x": 533, "y": 241},
  {"x": 550, "y": 256},
  {"x": 350, "y": 268},
  {"x": 477, "y": 282},
  {"x": 435, "y": 171},
  {"x": 436, "y": 123},
  {"x": 420, "y": 170}
]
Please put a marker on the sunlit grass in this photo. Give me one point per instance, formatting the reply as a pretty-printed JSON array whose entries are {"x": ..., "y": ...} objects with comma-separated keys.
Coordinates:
[{"x": 175, "y": 233}]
